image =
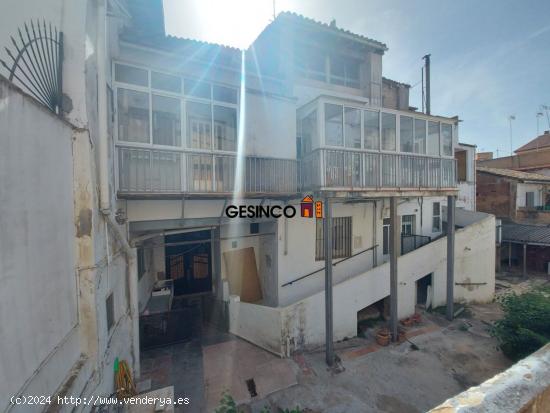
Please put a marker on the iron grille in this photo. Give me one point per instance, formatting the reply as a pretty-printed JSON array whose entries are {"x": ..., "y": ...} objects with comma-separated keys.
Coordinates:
[{"x": 36, "y": 63}]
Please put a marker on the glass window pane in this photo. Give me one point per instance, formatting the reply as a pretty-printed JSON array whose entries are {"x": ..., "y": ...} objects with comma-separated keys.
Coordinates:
[
  {"x": 225, "y": 128},
  {"x": 333, "y": 125},
  {"x": 309, "y": 132},
  {"x": 388, "y": 132},
  {"x": 352, "y": 119},
  {"x": 198, "y": 89},
  {"x": 162, "y": 81},
  {"x": 406, "y": 133},
  {"x": 166, "y": 121},
  {"x": 133, "y": 116},
  {"x": 132, "y": 75},
  {"x": 372, "y": 130},
  {"x": 199, "y": 125},
  {"x": 447, "y": 139},
  {"x": 225, "y": 94},
  {"x": 433, "y": 138},
  {"x": 419, "y": 136}
]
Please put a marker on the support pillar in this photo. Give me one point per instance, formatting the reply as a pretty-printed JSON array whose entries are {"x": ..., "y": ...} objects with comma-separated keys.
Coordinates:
[
  {"x": 394, "y": 253},
  {"x": 450, "y": 256},
  {"x": 525, "y": 260},
  {"x": 327, "y": 235},
  {"x": 509, "y": 256}
]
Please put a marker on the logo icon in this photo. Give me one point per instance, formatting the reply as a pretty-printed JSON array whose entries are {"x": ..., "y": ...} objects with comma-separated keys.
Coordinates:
[{"x": 309, "y": 208}]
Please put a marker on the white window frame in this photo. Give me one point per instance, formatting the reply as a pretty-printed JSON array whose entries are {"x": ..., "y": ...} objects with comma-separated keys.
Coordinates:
[
  {"x": 438, "y": 217},
  {"x": 320, "y": 106},
  {"x": 183, "y": 98}
]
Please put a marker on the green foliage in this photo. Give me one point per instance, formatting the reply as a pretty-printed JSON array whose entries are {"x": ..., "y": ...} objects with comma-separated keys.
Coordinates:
[
  {"x": 228, "y": 405},
  {"x": 526, "y": 324}
]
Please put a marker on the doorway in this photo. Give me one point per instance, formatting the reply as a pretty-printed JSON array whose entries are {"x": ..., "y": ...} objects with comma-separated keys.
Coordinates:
[
  {"x": 424, "y": 291},
  {"x": 189, "y": 262}
]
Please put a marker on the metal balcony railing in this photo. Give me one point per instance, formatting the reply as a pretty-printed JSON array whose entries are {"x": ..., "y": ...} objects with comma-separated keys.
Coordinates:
[
  {"x": 164, "y": 171},
  {"x": 356, "y": 170},
  {"x": 411, "y": 242}
]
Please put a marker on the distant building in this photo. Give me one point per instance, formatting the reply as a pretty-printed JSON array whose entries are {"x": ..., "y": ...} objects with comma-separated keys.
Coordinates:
[
  {"x": 484, "y": 156},
  {"x": 534, "y": 157},
  {"x": 521, "y": 201}
]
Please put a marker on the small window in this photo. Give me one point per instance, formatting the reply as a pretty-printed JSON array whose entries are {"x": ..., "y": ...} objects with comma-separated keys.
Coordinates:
[
  {"x": 388, "y": 132},
  {"x": 419, "y": 136},
  {"x": 406, "y": 134},
  {"x": 446, "y": 139},
  {"x": 199, "y": 125},
  {"x": 197, "y": 89},
  {"x": 133, "y": 116},
  {"x": 309, "y": 132},
  {"x": 372, "y": 130},
  {"x": 407, "y": 224},
  {"x": 333, "y": 125},
  {"x": 341, "y": 238},
  {"x": 352, "y": 124},
  {"x": 255, "y": 228},
  {"x": 386, "y": 236},
  {"x": 131, "y": 75},
  {"x": 140, "y": 263},
  {"x": 530, "y": 199},
  {"x": 225, "y": 128},
  {"x": 436, "y": 221},
  {"x": 225, "y": 94},
  {"x": 433, "y": 139},
  {"x": 165, "y": 82},
  {"x": 110, "y": 311},
  {"x": 166, "y": 121}
]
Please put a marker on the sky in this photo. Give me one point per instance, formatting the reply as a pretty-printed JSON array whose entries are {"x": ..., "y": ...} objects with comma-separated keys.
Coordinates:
[{"x": 490, "y": 58}]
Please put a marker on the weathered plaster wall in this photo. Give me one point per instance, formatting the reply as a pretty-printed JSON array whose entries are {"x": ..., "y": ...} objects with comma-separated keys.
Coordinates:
[
  {"x": 38, "y": 298},
  {"x": 302, "y": 323},
  {"x": 523, "y": 188},
  {"x": 524, "y": 387}
]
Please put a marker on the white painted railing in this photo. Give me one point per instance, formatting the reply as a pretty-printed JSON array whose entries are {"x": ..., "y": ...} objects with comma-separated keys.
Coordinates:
[
  {"x": 348, "y": 169},
  {"x": 164, "y": 171}
]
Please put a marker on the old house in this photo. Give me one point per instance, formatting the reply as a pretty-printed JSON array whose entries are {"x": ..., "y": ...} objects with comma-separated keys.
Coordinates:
[
  {"x": 181, "y": 169},
  {"x": 520, "y": 200},
  {"x": 533, "y": 157}
]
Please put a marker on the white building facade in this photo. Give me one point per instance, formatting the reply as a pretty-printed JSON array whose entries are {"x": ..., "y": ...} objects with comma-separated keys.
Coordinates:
[{"x": 168, "y": 133}]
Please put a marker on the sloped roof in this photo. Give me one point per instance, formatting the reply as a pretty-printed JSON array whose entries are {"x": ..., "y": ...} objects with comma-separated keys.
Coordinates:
[
  {"x": 517, "y": 175},
  {"x": 542, "y": 141},
  {"x": 529, "y": 234},
  {"x": 298, "y": 18}
]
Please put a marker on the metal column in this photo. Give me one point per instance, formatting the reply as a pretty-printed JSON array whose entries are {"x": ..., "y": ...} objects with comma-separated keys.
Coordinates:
[
  {"x": 327, "y": 235},
  {"x": 394, "y": 253},
  {"x": 509, "y": 255},
  {"x": 525, "y": 260},
  {"x": 450, "y": 255}
]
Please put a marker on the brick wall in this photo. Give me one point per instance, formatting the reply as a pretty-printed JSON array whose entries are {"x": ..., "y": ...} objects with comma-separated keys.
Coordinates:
[{"x": 496, "y": 195}]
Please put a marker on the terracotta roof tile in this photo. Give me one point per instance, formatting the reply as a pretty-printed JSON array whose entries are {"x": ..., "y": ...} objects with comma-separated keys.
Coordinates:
[
  {"x": 542, "y": 141},
  {"x": 518, "y": 175}
]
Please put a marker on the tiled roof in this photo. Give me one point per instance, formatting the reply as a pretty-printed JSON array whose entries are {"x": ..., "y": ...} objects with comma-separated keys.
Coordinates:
[
  {"x": 303, "y": 19},
  {"x": 395, "y": 82},
  {"x": 518, "y": 175},
  {"x": 530, "y": 234},
  {"x": 542, "y": 141}
]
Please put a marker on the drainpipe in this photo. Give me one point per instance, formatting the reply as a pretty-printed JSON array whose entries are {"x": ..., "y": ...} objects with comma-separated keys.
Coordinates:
[
  {"x": 103, "y": 144},
  {"x": 104, "y": 194}
]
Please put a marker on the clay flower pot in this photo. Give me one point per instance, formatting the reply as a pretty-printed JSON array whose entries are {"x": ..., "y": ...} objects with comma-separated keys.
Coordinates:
[{"x": 383, "y": 337}]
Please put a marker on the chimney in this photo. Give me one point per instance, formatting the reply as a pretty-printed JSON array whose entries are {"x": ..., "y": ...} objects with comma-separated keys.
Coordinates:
[{"x": 427, "y": 71}]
